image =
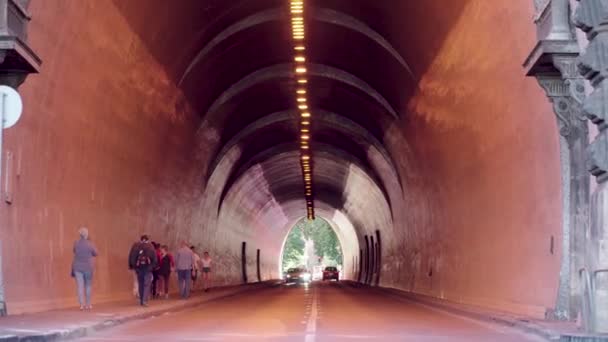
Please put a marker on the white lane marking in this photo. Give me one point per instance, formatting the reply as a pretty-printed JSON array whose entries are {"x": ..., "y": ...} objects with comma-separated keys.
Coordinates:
[{"x": 311, "y": 327}]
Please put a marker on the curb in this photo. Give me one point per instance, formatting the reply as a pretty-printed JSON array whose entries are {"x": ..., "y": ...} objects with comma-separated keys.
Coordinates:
[
  {"x": 83, "y": 331},
  {"x": 504, "y": 320}
]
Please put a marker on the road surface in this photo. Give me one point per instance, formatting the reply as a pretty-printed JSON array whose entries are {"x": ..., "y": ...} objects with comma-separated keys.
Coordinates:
[{"x": 319, "y": 312}]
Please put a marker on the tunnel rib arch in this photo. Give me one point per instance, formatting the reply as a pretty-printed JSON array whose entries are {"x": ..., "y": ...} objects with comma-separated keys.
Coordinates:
[
  {"x": 289, "y": 151},
  {"x": 326, "y": 118},
  {"x": 285, "y": 71},
  {"x": 325, "y": 15}
]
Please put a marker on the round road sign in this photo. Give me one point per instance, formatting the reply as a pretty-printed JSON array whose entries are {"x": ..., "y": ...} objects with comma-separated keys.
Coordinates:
[{"x": 10, "y": 103}]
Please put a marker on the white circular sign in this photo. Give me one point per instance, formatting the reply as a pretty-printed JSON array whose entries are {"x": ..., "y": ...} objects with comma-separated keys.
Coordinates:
[{"x": 10, "y": 103}]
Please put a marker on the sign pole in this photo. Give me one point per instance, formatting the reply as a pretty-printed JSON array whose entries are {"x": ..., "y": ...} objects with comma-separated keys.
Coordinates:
[{"x": 3, "y": 311}]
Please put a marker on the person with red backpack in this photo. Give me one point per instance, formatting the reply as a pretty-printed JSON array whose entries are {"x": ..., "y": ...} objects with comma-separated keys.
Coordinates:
[{"x": 143, "y": 259}]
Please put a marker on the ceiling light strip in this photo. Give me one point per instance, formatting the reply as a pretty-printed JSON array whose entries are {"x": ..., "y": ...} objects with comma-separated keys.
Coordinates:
[{"x": 298, "y": 31}]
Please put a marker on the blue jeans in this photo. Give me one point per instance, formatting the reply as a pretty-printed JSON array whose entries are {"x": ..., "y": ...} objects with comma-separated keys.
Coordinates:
[
  {"x": 144, "y": 281},
  {"x": 83, "y": 282},
  {"x": 183, "y": 280}
]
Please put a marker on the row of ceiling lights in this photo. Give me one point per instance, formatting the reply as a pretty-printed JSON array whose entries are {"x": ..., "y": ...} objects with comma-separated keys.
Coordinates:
[{"x": 298, "y": 35}]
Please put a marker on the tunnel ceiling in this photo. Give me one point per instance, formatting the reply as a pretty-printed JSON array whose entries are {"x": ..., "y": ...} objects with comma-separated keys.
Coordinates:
[{"x": 234, "y": 62}]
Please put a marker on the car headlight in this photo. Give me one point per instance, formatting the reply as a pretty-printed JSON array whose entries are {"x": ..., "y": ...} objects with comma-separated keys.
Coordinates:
[{"x": 305, "y": 276}]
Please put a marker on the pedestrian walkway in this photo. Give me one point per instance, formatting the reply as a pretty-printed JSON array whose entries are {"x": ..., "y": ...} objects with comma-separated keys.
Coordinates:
[{"x": 72, "y": 323}]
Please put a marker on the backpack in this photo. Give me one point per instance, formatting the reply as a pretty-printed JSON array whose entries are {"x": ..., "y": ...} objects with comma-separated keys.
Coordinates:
[{"x": 142, "y": 259}]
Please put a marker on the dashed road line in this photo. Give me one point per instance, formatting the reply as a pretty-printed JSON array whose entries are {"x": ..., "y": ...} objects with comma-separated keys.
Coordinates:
[{"x": 311, "y": 327}]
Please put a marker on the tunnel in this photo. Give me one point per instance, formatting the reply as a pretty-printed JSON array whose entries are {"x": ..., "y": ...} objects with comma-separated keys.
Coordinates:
[{"x": 434, "y": 158}]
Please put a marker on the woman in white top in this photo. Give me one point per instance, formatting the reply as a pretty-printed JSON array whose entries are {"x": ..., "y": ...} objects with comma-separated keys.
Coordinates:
[{"x": 206, "y": 262}]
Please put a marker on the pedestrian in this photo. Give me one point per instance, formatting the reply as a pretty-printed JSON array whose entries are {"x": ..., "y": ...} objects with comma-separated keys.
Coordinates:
[
  {"x": 184, "y": 262},
  {"x": 166, "y": 265},
  {"x": 155, "y": 270},
  {"x": 195, "y": 267},
  {"x": 83, "y": 267},
  {"x": 206, "y": 275},
  {"x": 143, "y": 259},
  {"x": 134, "y": 272}
]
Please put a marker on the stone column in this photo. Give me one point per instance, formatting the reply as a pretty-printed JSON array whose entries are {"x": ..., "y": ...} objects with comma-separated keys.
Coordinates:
[
  {"x": 553, "y": 63},
  {"x": 592, "y": 17},
  {"x": 575, "y": 190}
]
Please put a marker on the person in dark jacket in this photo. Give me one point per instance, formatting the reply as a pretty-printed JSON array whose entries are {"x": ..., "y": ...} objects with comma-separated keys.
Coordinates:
[
  {"x": 143, "y": 260},
  {"x": 155, "y": 276},
  {"x": 165, "y": 267},
  {"x": 83, "y": 267}
]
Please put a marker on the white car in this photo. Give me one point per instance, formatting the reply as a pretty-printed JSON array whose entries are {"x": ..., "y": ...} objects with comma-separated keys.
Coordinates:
[{"x": 298, "y": 275}]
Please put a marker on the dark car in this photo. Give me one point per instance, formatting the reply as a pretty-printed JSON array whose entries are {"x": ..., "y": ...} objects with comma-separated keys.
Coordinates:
[
  {"x": 298, "y": 275},
  {"x": 330, "y": 273}
]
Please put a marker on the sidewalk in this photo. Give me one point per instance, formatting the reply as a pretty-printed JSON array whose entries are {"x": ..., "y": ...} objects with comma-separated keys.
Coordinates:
[
  {"x": 73, "y": 323},
  {"x": 550, "y": 330}
]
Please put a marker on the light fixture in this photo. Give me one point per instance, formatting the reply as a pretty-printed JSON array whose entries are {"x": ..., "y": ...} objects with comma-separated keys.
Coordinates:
[{"x": 298, "y": 31}]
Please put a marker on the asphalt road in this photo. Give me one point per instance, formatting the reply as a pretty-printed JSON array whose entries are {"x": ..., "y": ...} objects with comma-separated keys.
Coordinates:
[{"x": 320, "y": 312}]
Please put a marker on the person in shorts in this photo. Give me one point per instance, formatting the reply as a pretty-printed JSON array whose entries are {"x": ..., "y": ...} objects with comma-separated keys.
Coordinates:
[{"x": 206, "y": 274}]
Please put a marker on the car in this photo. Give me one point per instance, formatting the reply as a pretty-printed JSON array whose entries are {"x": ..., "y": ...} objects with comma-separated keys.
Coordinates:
[
  {"x": 298, "y": 275},
  {"x": 330, "y": 273}
]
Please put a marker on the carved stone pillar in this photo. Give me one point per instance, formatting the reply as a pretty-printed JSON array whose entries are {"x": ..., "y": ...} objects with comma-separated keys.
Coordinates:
[
  {"x": 553, "y": 63},
  {"x": 592, "y": 17}
]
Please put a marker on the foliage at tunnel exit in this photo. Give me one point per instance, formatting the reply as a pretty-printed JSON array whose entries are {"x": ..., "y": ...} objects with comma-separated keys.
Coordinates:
[{"x": 325, "y": 241}]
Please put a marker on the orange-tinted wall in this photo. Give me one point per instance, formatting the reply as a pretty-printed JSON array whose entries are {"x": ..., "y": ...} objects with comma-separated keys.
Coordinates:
[
  {"x": 107, "y": 141},
  {"x": 103, "y": 136},
  {"x": 486, "y": 201}
]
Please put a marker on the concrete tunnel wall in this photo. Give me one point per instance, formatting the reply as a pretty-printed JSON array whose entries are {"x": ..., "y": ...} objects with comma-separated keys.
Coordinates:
[
  {"x": 108, "y": 139},
  {"x": 483, "y": 203}
]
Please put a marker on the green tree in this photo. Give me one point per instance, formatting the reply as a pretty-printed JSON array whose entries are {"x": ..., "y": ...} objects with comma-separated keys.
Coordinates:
[
  {"x": 325, "y": 239},
  {"x": 293, "y": 252},
  {"x": 323, "y": 236}
]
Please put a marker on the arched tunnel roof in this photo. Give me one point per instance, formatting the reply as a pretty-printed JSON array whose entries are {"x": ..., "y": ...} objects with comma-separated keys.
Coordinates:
[
  {"x": 233, "y": 61},
  {"x": 237, "y": 68}
]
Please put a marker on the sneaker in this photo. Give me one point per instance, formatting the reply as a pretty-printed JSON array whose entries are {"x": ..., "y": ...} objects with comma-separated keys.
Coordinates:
[{"x": 81, "y": 308}]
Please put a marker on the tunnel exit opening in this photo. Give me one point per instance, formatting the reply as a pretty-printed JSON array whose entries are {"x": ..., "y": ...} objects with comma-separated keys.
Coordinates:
[{"x": 312, "y": 245}]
